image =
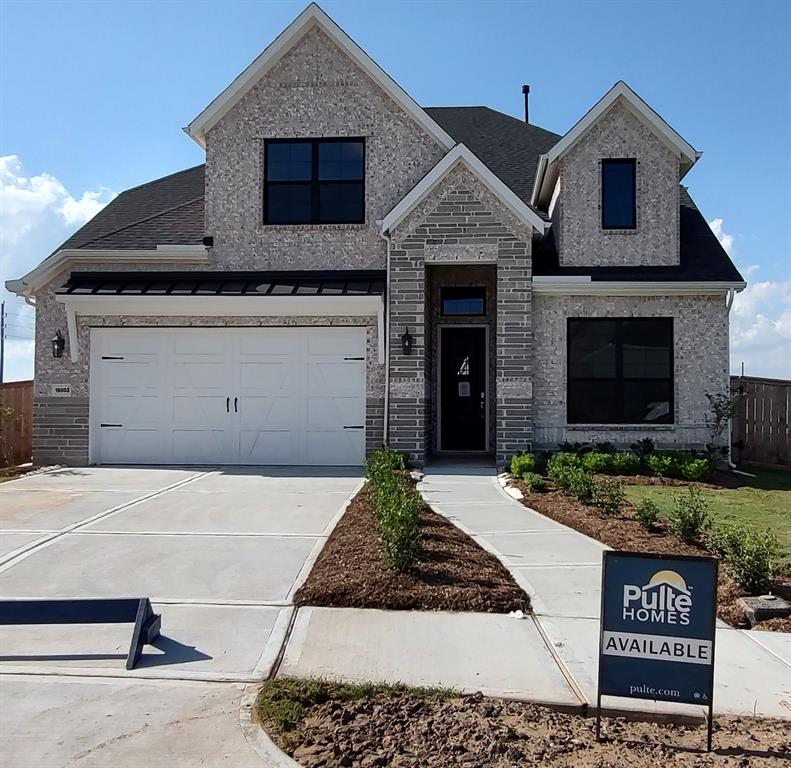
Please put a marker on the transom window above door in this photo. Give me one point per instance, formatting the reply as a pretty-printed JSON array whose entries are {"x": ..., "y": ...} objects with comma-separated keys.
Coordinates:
[
  {"x": 463, "y": 301},
  {"x": 314, "y": 181}
]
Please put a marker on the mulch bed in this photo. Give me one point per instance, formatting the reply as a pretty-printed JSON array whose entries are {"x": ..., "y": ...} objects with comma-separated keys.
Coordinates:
[
  {"x": 399, "y": 730},
  {"x": 8, "y": 473},
  {"x": 626, "y": 534},
  {"x": 455, "y": 574}
]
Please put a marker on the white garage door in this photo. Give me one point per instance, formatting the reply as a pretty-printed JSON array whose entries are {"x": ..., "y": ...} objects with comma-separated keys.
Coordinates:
[{"x": 228, "y": 396}]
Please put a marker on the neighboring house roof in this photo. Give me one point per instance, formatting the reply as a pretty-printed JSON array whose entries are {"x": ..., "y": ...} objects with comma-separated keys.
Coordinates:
[
  {"x": 702, "y": 258},
  {"x": 328, "y": 283},
  {"x": 309, "y": 19}
]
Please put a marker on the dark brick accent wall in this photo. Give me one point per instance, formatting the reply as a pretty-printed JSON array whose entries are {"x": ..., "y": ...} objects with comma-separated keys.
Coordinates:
[
  {"x": 60, "y": 431},
  {"x": 374, "y": 423}
]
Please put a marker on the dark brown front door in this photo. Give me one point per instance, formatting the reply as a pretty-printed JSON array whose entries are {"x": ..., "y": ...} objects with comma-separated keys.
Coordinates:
[{"x": 462, "y": 389}]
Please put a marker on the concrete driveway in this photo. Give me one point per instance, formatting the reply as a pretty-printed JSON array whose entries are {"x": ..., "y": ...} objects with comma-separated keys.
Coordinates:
[{"x": 220, "y": 553}]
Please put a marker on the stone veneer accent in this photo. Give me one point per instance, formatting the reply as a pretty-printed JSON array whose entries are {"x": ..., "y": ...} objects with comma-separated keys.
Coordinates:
[
  {"x": 700, "y": 334},
  {"x": 581, "y": 239},
  {"x": 460, "y": 222},
  {"x": 315, "y": 90}
]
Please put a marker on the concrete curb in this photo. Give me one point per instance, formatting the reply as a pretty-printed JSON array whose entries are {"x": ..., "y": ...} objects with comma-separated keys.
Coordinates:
[{"x": 255, "y": 735}]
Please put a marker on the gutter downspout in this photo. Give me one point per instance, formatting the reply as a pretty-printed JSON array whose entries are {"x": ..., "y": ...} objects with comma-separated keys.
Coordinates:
[
  {"x": 728, "y": 305},
  {"x": 386, "y": 432}
]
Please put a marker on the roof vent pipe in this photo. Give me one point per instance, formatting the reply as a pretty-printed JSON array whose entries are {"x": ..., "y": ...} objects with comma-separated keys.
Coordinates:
[{"x": 526, "y": 91}]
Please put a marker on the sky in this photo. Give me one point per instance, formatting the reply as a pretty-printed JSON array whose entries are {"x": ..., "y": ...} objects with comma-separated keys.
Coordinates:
[{"x": 93, "y": 96}]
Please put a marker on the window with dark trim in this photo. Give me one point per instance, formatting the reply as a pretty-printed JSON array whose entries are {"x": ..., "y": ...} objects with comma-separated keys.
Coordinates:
[
  {"x": 463, "y": 301},
  {"x": 314, "y": 181},
  {"x": 619, "y": 194},
  {"x": 620, "y": 371}
]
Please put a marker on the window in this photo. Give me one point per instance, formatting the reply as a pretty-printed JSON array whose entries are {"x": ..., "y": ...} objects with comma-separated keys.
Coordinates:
[
  {"x": 314, "y": 181},
  {"x": 463, "y": 301},
  {"x": 620, "y": 371},
  {"x": 619, "y": 194}
]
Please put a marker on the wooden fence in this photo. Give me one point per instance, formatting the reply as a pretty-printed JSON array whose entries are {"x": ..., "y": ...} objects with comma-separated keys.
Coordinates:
[
  {"x": 760, "y": 429},
  {"x": 16, "y": 429}
]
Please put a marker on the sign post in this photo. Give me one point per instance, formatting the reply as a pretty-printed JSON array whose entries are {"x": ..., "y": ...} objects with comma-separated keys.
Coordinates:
[{"x": 658, "y": 616}]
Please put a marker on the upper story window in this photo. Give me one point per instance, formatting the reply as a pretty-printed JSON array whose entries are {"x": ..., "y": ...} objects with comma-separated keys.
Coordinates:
[
  {"x": 620, "y": 371},
  {"x": 619, "y": 194},
  {"x": 314, "y": 181}
]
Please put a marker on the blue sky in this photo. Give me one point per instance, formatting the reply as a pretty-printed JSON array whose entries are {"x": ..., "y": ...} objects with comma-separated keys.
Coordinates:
[{"x": 93, "y": 96}]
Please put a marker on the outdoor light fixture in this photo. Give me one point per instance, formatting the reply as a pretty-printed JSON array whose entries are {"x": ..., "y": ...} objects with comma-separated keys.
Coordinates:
[
  {"x": 406, "y": 342},
  {"x": 58, "y": 344}
]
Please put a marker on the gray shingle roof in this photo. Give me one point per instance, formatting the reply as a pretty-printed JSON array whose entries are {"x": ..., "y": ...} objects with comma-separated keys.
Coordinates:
[{"x": 170, "y": 210}]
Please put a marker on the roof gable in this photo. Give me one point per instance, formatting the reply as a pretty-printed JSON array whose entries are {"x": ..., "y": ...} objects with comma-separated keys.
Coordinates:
[
  {"x": 621, "y": 94},
  {"x": 309, "y": 19},
  {"x": 461, "y": 155}
]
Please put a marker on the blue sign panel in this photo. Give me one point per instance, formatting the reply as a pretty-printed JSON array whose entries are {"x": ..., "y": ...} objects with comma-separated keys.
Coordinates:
[{"x": 657, "y": 627}]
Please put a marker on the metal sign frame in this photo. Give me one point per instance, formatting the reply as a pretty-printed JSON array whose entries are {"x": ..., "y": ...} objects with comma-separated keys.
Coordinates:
[{"x": 712, "y": 561}]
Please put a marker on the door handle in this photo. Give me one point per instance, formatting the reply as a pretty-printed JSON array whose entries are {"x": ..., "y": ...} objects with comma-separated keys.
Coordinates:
[
  {"x": 227, "y": 404},
  {"x": 235, "y": 404}
]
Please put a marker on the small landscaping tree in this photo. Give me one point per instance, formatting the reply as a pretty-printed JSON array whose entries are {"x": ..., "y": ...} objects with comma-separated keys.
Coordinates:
[
  {"x": 749, "y": 555},
  {"x": 722, "y": 408},
  {"x": 608, "y": 497},
  {"x": 647, "y": 514}
]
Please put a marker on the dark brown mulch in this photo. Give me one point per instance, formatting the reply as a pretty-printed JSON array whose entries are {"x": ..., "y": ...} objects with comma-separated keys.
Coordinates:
[
  {"x": 626, "y": 534},
  {"x": 8, "y": 473},
  {"x": 398, "y": 730},
  {"x": 455, "y": 574},
  {"x": 716, "y": 480}
]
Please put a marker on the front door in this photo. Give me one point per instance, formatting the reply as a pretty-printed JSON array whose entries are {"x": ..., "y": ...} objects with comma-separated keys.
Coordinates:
[{"x": 462, "y": 406}]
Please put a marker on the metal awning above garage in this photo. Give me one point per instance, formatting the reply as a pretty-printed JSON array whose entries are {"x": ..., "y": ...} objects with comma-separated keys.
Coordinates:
[
  {"x": 329, "y": 283},
  {"x": 223, "y": 295}
]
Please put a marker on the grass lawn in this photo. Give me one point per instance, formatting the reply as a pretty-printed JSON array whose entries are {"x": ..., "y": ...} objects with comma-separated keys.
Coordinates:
[{"x": 762, "y": 502}]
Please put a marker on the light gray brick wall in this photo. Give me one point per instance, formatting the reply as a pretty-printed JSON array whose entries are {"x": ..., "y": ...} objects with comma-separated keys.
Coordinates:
[
  {"x": 461, "y": 223},
  {"x": 315, "y": 90},
  {"x": 700, "y": 330},
  {"x": 582, "y": 241}
]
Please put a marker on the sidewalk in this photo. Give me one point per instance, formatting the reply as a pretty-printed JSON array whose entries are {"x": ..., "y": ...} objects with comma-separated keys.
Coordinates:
[
  {"x": 548, "y": 658},
  {"x": 561, "y": 571}
]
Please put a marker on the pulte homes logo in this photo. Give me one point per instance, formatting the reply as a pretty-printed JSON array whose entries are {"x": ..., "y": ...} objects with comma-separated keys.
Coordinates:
[{"x": 665, "y": 599}]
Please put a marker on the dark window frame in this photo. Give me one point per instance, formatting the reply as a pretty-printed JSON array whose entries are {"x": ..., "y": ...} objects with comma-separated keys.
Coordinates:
[
  {"x": 619, "y": 161},
  {"x": 476, "y": 292},
  {"x": 314, "y": 182},
  {"x": 619, "y": 380}
]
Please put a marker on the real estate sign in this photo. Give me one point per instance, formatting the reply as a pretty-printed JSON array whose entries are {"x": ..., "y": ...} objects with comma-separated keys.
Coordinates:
[{"x": 657, "y": 627}]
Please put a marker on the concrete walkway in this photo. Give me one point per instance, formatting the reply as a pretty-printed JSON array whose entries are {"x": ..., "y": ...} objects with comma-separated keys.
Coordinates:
[
  {"x": 561, "y": 570},
  {"x": 550, "y": 657}
]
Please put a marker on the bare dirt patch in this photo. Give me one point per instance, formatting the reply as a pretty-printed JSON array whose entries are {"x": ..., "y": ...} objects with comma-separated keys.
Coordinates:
[
  {"x": 624, "y": 533},
  {"x": 454, "y": 574},
  {"x": 346, "y": 726}
]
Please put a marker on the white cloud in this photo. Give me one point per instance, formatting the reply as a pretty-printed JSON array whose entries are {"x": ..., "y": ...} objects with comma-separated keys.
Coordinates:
[
  {"x": 37, "y": 213},
  {"x": 761, "y": 330},
  {"x": 726, "y": 240}
]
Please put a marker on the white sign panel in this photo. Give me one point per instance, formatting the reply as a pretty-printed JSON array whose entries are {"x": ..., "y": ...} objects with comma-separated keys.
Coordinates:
[{"x": 60, "y": 390}]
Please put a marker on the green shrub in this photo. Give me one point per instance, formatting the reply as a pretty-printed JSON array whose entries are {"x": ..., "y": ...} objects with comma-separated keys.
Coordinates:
[
  {"x": 697, "y": 470},
  {"x": 562, "y": 461},
  {"x": 400, "y": 528},
  {"x": 578, "y": 448},
  {"x": 691, "y": 517},
  {"x": 534, "y": 481},
  {"x": 521, "y": 463},
  {"x": 581, "y": 485},
  {"x": 625, "y": 464},
  {"x": 660, "y": 464},
  {"x": 749, "y": 555},
  {"x": 608, "y": 497},
  {"x": 384, "y": 462},
  {"x": 643, "y": 449},
  {"x": 604, "y": 447},
  {"x": 599, "y": 463},
  {"x": 647, "y": 514}
]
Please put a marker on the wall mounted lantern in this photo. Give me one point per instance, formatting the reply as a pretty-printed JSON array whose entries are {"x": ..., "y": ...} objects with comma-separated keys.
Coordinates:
[
  {"x": 58, "y": 344},
  {"x": 406, "y": 342}
]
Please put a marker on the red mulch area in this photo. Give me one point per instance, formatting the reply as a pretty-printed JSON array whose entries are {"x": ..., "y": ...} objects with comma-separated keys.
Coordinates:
[
  {"x": 626, "y": 534},
  {"x": 455, "y": 574}
]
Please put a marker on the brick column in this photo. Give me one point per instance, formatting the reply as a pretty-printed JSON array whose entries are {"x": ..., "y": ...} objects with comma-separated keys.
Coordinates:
[
  {"x": 406, "y": 305},
  {"x": 514, "y": 350}
]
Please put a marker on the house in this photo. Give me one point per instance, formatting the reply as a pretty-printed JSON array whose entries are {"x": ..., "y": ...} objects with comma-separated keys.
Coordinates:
[{"x": 349, "y": 268}]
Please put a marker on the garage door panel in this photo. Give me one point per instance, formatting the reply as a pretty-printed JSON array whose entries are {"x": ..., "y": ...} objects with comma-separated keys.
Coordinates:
[{"x": 235, "y": 395}]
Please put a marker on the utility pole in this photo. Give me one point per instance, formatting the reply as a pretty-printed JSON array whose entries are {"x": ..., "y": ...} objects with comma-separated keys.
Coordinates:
[{"x": 2, "y": 339}]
